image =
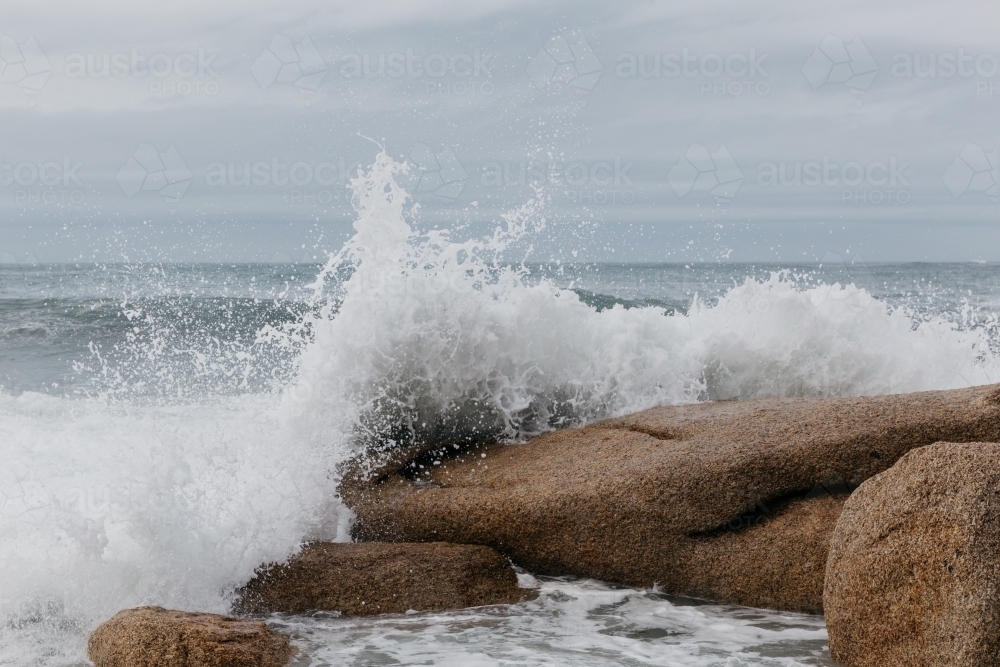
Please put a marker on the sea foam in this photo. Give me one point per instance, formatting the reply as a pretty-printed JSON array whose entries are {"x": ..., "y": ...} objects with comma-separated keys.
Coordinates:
[{"x": 107, "y": 503}]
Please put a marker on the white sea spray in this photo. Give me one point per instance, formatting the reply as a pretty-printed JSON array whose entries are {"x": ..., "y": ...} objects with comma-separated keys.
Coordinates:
[{"x": 106, "y": 504}]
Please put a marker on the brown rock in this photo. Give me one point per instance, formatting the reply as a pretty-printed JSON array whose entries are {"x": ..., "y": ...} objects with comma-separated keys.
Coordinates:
[
  {"x": 658, "y": 497},
  {"x": 913, "y": 576},
  {"x": 158, "y": 637},
  {"x": 374, "y": 578},
  {"x": 777, "y": 561}
]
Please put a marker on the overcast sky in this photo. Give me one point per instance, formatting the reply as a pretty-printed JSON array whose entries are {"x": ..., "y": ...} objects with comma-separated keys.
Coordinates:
[{"x": 226, "y": 131}]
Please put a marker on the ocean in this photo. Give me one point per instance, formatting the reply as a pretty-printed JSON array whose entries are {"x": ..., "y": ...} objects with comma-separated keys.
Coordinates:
[{"x": 166, "y": 428}]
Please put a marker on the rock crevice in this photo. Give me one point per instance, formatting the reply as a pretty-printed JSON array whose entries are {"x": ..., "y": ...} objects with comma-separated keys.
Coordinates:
[{"x": 613, "y": 502}]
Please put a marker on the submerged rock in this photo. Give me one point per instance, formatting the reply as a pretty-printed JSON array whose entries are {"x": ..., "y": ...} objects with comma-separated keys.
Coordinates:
[
  {"x": 158, "y": 637},
  {"x": 373, "y": 578},
  {"x": 913, "y": 576},
  {"x": 728, "y": 501}
]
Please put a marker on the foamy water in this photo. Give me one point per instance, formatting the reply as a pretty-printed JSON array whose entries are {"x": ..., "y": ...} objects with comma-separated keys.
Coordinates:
[
  {"x": 180, "y": 465},
  {"x": 573, "y": 623}
]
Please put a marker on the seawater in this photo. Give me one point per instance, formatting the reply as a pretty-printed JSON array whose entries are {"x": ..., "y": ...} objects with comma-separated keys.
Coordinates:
[{"x": 165, "y": 429}]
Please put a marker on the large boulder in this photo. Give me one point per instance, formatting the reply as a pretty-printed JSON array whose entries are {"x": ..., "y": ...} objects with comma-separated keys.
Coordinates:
[
  {"x": 913, "y": 577},
  {"x": 158, "y": 637},
  {"x": 713, "y": 500},
  {"x": 373, "y": 578}
]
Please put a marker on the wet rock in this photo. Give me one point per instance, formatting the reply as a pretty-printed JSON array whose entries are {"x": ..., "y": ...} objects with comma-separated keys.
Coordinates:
[
  {"x": 158, "y": 637},
  {"x": 913, "y": 576},
  {"x": 374, "y": 578},
  {"x": 729, "y": 501}
]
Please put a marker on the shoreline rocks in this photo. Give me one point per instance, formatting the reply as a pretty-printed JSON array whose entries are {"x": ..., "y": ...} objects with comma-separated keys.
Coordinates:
[
  {"x": 711, "y": 500},
  {"x": 372, "y": 578},
  {"x": 913, "y": 576},
  {"x": 158, "y": 637},
  {"x": 882, "y": 512}
]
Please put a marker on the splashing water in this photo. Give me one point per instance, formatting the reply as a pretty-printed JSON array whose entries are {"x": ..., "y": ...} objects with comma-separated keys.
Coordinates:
[
  {"x": 106, "y": 504},
  {"x": 433, "y": 334}
]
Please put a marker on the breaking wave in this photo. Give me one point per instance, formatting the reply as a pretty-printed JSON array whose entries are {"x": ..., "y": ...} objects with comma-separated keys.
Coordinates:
[{"x": 107, "y": 502}]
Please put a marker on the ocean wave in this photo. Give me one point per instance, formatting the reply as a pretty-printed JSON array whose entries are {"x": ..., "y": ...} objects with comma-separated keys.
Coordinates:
[
  {"x": 432, "y": 335},
  {"x": 108, "y": 501}
]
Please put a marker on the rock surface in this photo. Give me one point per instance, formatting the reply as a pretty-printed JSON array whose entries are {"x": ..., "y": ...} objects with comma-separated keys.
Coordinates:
[
  {"x": 158, "y": 637},
  {"x": 913, "y": 576},
  {"x": 378, "y": 578},
  {"x": 710, "y": 500}
]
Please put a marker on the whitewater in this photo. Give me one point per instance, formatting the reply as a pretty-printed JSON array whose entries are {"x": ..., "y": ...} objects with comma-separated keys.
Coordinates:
[{"x": 175, "y": 467}]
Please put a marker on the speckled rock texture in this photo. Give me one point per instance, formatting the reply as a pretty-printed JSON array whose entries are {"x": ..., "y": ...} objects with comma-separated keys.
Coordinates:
[
  {"x": 380, "y": 578},
  {"x": 913, "y": 577},
  {"x": 158, "y": 637},
  {"x": 712, "y": 500}
]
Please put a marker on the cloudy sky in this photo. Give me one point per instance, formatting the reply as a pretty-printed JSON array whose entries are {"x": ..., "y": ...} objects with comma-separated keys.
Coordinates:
[{"x": 653, "y": 131}]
